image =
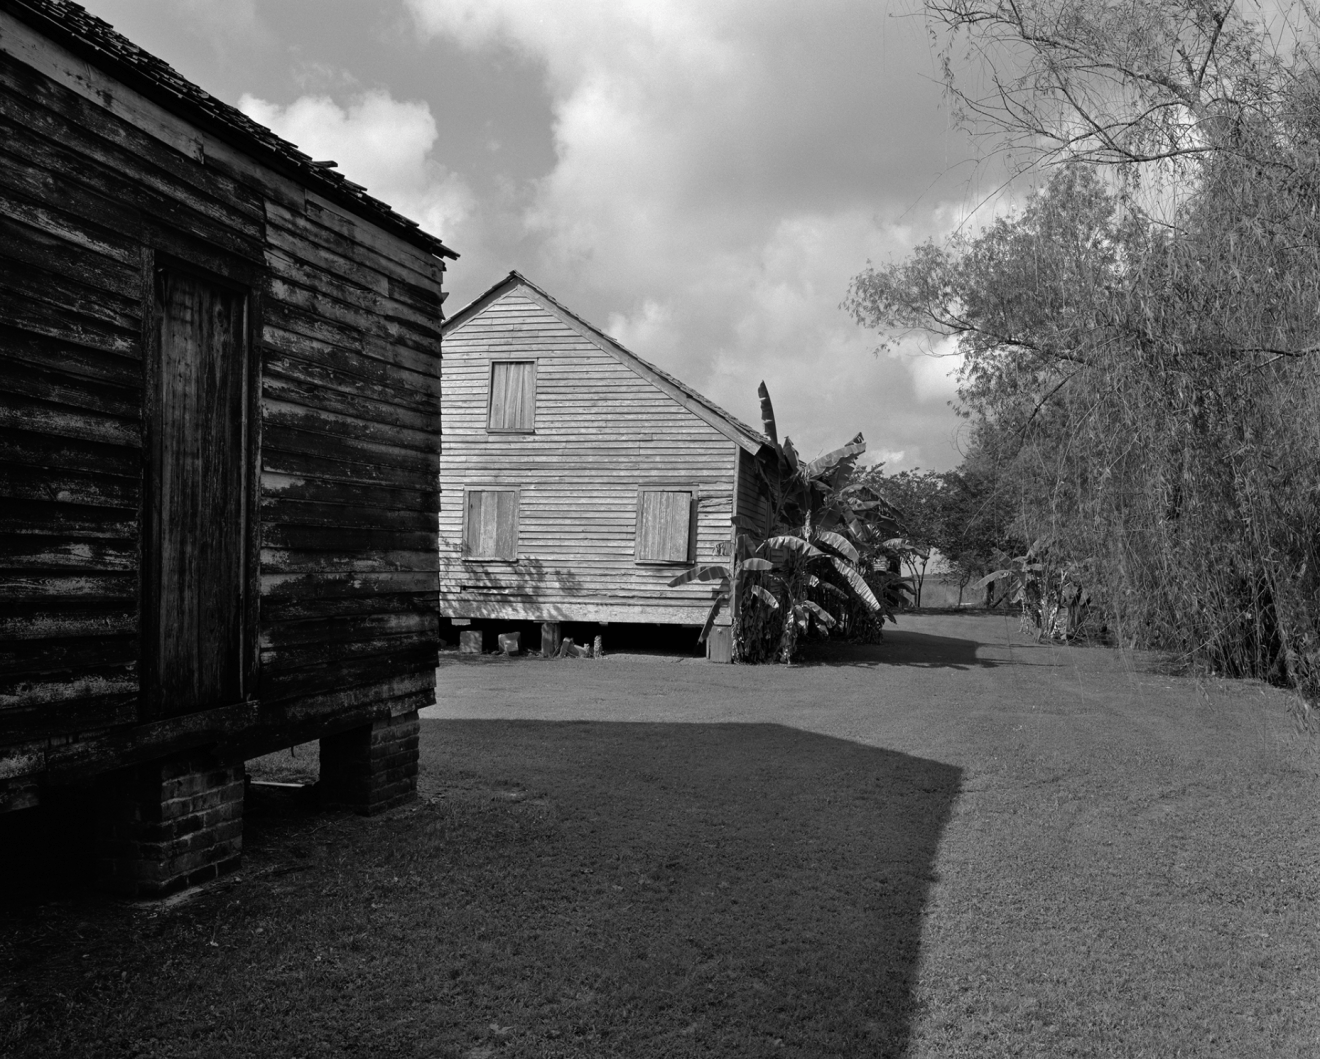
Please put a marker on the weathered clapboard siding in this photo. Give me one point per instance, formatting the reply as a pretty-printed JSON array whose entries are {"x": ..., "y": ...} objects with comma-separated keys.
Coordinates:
[
  {"x": 104, "y": 184},
  {"x": 604, "y": 429}
]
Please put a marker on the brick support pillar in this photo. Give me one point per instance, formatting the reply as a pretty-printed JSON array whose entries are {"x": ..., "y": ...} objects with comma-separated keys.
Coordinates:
[
  {"x": 371, "y": 768},
  {"x": 168, "y": 824}
]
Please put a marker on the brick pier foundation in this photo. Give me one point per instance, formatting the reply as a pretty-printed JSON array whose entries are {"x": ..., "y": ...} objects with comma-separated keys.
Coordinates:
[
  {"x": 169, "y": 824},
  {"x": 371, "y": 768}
]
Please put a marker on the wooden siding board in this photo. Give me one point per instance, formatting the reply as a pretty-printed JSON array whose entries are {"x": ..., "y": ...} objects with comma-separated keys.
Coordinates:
[
  {"x": 291, "y": 430},
  {"x": 279, "y": 613},
  {"x": 40, "y": 287},
  {"x": 284, "y": 316},
  {"x": 81, "y": 619},
  {"x": 65, "y": 229},
  {"x": 277, "y": 489},
  {"x": 74, "y": 361},
  {"x": 54, "y": 252},
  {"x": 53, "y": 517},
  {"x": 42, "y": 453},
  {"x": 359, "y": 290},
  {"x": 333, "y": 243},
  {"x": 311, "y": 361},
  {"x": 51, "y": 386},
  {"x": 111, "y": 139},
  {"x": 283, "y": 381},
  {"x": 20, "y": 587},
  {"x": 172, "y": 208}
]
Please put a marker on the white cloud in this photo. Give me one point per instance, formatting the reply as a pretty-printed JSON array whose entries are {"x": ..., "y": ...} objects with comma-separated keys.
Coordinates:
[
  {"x": 933, "y": 366},
  {"x": 723, "y": 167},
  {"x": 379, "y": 142}
]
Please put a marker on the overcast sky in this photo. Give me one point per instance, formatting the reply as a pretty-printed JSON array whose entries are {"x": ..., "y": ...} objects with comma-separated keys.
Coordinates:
[{"x": 700, "y": 178}]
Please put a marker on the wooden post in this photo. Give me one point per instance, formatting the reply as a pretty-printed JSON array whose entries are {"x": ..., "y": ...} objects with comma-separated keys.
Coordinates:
[{"x": 550, "y": 637}]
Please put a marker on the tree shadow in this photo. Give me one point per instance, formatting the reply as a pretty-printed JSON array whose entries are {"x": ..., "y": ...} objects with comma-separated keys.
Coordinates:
[{"x": 902, "y": 647}]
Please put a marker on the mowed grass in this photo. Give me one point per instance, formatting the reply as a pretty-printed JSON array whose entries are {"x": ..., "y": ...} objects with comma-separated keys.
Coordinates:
[{"x": 958, "y": 844}]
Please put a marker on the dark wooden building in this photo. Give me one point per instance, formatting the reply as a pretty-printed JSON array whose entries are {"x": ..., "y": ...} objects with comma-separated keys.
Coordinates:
[
  {"x": 579, "y": 479},
  {"x": 219, "y": 448}
]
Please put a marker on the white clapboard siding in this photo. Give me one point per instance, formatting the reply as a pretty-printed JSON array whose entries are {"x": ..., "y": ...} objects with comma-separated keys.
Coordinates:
[{"x": 619, "y": 485}]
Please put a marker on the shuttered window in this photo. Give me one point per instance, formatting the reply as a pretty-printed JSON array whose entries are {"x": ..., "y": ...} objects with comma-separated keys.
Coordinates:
[
  {"x": 491, "y": 527},
  {"x": 512, "y": 396},
  {"x": 665, "y": 525}
]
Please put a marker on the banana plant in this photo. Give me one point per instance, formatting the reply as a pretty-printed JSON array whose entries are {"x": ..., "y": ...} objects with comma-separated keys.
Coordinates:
[
  {"x": 818, "y": 563},
  {"x": 773, "y": 581},
  {"x": 1053, "y": 596}
]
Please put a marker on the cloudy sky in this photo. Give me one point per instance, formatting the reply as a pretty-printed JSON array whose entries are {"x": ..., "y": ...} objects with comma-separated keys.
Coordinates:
[{"x": 700, "y": 178}]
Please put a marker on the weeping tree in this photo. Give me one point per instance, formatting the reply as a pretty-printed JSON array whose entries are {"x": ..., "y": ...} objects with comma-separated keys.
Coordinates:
[
  {"x": 1140, "y": 339},
  {"x": 820, "y": 568}
]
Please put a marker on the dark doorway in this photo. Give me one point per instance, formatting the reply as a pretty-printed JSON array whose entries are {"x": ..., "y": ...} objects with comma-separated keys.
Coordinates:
[{"x": 194, "y": 599}]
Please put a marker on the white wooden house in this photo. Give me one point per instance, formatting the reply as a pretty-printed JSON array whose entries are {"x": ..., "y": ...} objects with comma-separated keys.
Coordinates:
[{"x": 577, "y": 479}]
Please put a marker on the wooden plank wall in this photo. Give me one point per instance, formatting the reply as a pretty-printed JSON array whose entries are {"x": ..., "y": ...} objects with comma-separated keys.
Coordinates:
[
  {"x": 350, "y": 451},
  {"x": 602, "y": 432},
  {"x": 753, "y": 508},
  {"x": 349, "y": 435}
]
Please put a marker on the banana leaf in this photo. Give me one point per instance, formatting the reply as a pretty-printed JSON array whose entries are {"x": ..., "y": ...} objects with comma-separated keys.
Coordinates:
[
  {"x": 857, "y": 583},
  {"x": 765, "y": 597},
  {"x": 839, "y": 544},
  {"x": 827, "y": 462},
  {"x": 989, "y": 579},
  {"x": 700, "y": 573},
  {"x": 711, "y": 616},
  {"x": 825, "y": 586},
  {"x": 767, "y": 414},
  {"x": 756, "y": 564},
  {"x": 793, "y": 544},
  {"x": 790, "y": 455},
  {"x": 822, "y": 615}
]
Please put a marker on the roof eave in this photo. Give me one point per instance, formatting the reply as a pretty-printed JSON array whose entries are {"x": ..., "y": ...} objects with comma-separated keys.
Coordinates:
[{"x": 377, "y": 212}]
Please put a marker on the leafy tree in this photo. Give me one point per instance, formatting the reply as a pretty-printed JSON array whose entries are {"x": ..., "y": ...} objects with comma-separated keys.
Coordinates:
[
  {"x": 1140, "y": 338},
  {"x": 959, "y": 513}
]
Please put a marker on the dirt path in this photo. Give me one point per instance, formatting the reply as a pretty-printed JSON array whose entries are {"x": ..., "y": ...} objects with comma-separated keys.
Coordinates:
[{"x": 1130, "y": 866}]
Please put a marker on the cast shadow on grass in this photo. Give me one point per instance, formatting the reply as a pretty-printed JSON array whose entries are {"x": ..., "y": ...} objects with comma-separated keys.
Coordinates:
[
  {"x": 562, "y": 889},
  {"x": 711, "y": 889},
  {"x": 902, "y": 648}
]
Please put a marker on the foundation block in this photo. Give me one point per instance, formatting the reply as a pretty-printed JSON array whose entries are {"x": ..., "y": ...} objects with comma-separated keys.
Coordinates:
[
  {"x": 371, "y": 768},
  {"x": 167, "y": 825}
]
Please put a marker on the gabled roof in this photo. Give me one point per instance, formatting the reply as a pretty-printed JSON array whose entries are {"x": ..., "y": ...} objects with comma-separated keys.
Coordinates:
[
  {"x": 705, "y": 409},
  {"x": 102, "y": 46}
]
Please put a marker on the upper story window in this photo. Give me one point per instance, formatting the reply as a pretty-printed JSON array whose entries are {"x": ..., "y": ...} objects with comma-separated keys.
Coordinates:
[{"x": 512, "y": 396}]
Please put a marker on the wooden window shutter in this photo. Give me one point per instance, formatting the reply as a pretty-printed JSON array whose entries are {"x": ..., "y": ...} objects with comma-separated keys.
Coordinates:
[
  {"x": 664, "y": 525},
  {"x": 512, "y": 396},
  {"x": 491, "y": 529}
]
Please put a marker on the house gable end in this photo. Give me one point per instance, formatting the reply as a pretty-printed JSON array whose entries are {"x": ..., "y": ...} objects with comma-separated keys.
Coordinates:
[{"x": 739, "y": 434}]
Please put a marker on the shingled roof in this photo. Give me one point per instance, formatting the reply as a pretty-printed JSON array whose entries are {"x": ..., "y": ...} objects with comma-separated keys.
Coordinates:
[
  {"x": 706, "y": 409},
  {"x": 98, "y": 43}
]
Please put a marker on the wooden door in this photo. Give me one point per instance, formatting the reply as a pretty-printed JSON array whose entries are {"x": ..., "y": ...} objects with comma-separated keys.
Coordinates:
[{"x": 196, "y": 523}]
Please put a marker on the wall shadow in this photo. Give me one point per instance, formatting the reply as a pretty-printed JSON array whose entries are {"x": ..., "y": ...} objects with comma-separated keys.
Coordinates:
[
  {"x": 562, "y": 889},
  {"x": 766, "y": 883}
]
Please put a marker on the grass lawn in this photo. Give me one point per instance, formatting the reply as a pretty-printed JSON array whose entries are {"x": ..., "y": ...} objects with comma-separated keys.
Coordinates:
[{"x": 960, "y": 843}]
